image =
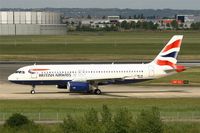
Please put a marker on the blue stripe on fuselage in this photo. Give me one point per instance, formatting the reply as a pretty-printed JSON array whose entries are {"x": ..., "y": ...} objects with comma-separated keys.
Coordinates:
[
  {"x": 43, "y": 82},
  {"x": 64, "y": 82}
]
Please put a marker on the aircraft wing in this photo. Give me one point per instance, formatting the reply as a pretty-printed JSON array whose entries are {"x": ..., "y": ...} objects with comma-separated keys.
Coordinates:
[{"x": 103, "y": 79}]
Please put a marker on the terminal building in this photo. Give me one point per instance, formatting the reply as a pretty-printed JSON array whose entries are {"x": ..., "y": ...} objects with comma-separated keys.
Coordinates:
[
  {"x": 31, "y": 23},
  {"x": 187, "y": 20}
]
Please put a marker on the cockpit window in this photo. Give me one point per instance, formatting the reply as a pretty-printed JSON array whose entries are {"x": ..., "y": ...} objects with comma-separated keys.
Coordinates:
[{"x": 20, "y": 72}]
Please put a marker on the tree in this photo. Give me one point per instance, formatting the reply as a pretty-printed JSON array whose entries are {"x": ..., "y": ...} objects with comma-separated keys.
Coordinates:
[
  {"x": 17, "y": 120},
  {"x": 72, "y": 23},
  {"x": 125, "y": 25},
  {"x": 142, "y": 16},
  {"x": 168, "y": 25},
  {"x": 155, "y": 26},
  {"x": 104, "y": 17},
  {"x": 123, "y": 122},
  {"x": 106, "y": 114},
  {"x": 133, "y": 25},
  {"x": 152, "y": 26},
  {"x": 174, "y": 24},
  {"x": 69, "y": 125},
  {"x": 149, "y": 121},
  {"x": 138, "y": 16},
  {"x": 107, "y": 122},
  {"x": 195, "y": 26},
  {"x": 139, "y": 25},
  {"x": 89, "y": 17},
  {"x": 91, "y": 117},
  {"x": 91, "y": 122},
  {"x": 145, "y": 25},
  {"x": 181, "y": 26}
]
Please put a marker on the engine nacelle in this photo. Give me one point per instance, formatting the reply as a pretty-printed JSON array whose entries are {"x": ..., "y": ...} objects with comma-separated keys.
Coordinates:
[
  {"x": 61, "y": 86},
  {"x": 78, "y": 86}
]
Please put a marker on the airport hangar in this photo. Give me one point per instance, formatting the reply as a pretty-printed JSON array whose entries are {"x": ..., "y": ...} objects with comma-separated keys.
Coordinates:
[{"x": 31, "y": 23}]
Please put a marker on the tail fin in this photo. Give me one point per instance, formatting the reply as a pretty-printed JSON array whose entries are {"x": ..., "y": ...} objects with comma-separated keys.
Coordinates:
[{"x": 168, "y": 56}]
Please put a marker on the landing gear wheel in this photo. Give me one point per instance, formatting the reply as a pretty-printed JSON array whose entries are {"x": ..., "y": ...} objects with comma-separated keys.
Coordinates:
[
  {"x": 32, "y": 91},
  {"x": 97, "y": 91}
]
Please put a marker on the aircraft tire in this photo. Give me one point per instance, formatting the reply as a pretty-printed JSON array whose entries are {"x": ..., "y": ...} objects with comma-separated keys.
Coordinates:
[
  {"x": 32, "y": 91},
  {"x": 97, "y": 91}
]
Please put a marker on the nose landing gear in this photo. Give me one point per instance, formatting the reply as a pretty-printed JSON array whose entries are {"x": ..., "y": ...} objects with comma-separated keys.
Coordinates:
[{"x": 33, "y": 89}]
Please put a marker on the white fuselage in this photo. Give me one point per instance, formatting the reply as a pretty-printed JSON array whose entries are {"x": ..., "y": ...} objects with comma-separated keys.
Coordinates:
[{"x": 56, "y": 74}]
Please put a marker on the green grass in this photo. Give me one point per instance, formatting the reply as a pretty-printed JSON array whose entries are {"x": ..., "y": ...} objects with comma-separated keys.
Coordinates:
[
  {"x": 182, "y": 127},
  {"x": 48, "y": 109},
  {"x": 191, "y": 74},
  {"x": 175, "y": 108},
  {"x": 172, "y": 127},
  {"x": 95, "y": 46}
]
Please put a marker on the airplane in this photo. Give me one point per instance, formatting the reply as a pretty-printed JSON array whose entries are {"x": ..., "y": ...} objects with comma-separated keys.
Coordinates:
[{"x": 86, "y": 78}]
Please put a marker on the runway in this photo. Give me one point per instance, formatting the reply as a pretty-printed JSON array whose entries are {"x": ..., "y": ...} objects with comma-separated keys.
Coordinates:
[{"x": 14, "y": 91}]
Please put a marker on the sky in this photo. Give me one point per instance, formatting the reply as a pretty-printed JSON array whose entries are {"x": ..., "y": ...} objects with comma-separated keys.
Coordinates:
[{"x": 133, "y": 4}]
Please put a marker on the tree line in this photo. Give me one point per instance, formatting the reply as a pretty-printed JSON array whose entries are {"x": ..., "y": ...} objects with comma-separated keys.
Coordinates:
[
  {"x": 195, "y": 26},
  {"x": 139, "y": 25},
  {"x": 148, "y": 121},
  {"x": 93, "y": 121},
  {"x": 120, "y": 26}
]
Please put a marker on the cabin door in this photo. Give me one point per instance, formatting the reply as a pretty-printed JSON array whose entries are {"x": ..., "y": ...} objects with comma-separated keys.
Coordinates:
[
  {"x": 151, "y": 71},
  {"x": 33, "y": 73}
]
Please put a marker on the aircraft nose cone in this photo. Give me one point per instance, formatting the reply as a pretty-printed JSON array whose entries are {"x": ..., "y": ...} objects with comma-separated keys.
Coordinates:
[{"x": 10, "y": 78}]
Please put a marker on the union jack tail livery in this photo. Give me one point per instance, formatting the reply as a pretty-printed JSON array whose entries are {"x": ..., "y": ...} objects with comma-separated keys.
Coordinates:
[{"x": 167, "y": 58}]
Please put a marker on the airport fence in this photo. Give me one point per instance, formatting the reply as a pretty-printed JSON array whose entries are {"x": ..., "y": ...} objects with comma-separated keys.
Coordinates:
[{"x": 59, "y": 116}]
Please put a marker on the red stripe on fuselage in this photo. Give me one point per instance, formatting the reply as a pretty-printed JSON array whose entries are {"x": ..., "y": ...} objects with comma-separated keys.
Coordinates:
[
  {"x": 175, "y": 44},
  {"x": 37, "y": 69}
]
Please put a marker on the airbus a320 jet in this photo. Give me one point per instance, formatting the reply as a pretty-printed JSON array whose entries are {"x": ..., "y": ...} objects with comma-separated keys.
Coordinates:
[{"x": 88, "y": 77}]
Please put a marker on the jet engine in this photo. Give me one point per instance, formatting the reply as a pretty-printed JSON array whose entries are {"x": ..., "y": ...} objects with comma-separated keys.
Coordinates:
[{"x": 78, "y": 86}]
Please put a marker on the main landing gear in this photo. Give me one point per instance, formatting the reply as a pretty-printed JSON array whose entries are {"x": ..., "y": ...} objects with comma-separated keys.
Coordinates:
[
  {"x": 33, "y": 89},
  {"x": 95, "y": 89}
]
